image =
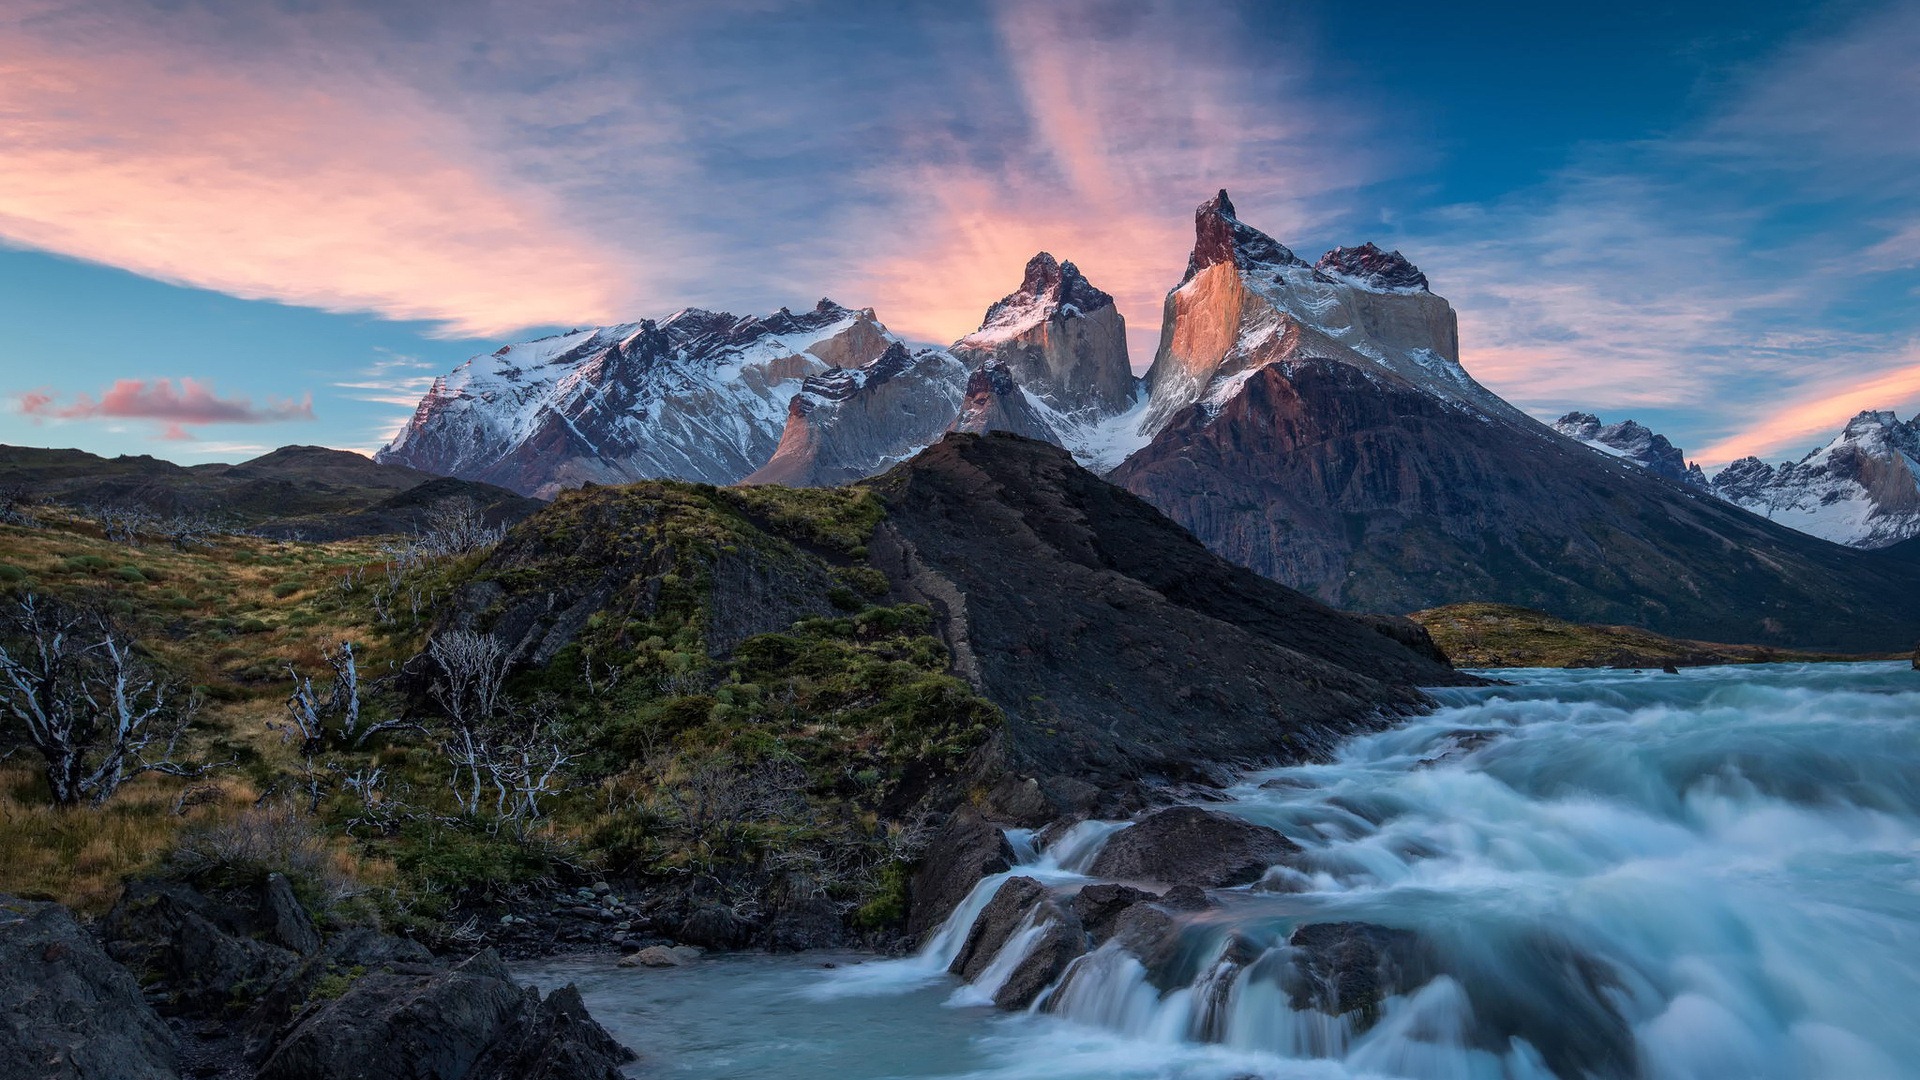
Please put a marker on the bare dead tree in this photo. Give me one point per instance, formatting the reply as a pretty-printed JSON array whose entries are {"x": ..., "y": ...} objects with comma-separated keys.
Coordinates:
[
  {"x": 185, "y": 531},
  {"x": 494, "y": 745},
  {"x": 329, "y": 723},
  {"x": 457, "y": 527},
  {"x": 94, "y": 712},
  {"x": 16, "y": 506},
  {"x": 122, "y": 524}
]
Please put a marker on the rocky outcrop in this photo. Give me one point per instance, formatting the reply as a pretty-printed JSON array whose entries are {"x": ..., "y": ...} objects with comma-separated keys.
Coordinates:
[
  {"x": 702, "y": 395},
  {"x": 850, "y": 423},
  {"x": 470, "y": 1022},
  {"x": 1323, "y": 433},
  {"x": 967, "y": 849},
  {"x": 1186, "y": 845},
  {"x": 196, "y": 954},
  {"x": 1369, "y": 266},
  {"x": 1862, "y": 489},
  {"x": 1116, "y": 646},
  {"x": 1011, "y": 910},
  {"x": 67, "y": 1010},
  {"x": 995, "y": 402},
  {"x": 1633, "y": 442},
  {"x": 1053, "y": 937},
  {"x": 1351, "y": 967},
  {"x": 1058, "y": 336}
]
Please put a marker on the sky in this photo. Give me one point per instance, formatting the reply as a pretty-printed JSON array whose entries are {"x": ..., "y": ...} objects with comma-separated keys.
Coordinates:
[{"x": 230, "y": 225}]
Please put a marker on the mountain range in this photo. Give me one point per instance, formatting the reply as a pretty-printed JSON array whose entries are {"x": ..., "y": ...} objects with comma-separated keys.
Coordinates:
[{"x": 1309, "y": 420}]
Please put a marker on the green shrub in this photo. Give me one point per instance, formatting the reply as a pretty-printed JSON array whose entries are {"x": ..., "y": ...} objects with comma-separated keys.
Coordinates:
[
  {"x": 131, "y": 575},
  {"x": 11, "y": 574},
  {"x": 287, "y": 588}
]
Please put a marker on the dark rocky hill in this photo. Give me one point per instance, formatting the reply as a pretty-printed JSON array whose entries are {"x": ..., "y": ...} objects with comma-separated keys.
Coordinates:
[{"x": 310, "y": 491}]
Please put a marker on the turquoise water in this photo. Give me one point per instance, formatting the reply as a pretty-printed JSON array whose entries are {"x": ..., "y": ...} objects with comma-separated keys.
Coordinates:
[{"x": 1712, "y": 874}]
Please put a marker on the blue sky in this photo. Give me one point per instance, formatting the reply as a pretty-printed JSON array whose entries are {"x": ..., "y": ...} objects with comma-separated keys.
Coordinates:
[{"x": 227, "y": 226}]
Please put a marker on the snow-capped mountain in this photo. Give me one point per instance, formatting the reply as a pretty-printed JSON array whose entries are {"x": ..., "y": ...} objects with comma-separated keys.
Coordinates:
[
  {"x": 1247, "y": 302},
  {"x": 1049, "y": 362},
  {"x": 1314, "y": 423},
  {"x": 1633, "y": 442},
  {"x": 701, "y": 395},
  {"x": 1862, "y": 489}
]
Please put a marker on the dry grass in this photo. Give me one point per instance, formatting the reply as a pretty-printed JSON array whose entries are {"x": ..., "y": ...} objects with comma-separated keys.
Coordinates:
[
  {"x": 79, "y": 856},
  {"x": 1502, "y": 635}
]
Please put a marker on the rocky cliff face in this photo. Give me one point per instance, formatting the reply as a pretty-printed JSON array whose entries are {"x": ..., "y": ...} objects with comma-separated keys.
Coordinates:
[
  {"x": 995, "y": 402},
  {"x": 1862, "y": 489},
  {"x": 1248, "y": 302},
  {"x": 850, "y": 423},
  {"x": 1316, "y": 425},
  {"x": 1059, "y": 337},
  {"x": 1633, "y": 442},
  {"x": 699, "y": 396}
]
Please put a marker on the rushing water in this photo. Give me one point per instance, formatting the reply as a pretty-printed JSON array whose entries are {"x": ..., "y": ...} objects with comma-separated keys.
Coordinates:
[{"x": 1714, "y": 875}]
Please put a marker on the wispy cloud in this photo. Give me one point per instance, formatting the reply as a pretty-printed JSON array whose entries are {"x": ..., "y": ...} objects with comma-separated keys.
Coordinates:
[
  {"x": 1715, "y": 273},
  {"x": 1128, "y": 115},
  {"x": 305, "y": 180},
  {"x": 1814, "y": 419},
  {"x": 175, "y": 406}
]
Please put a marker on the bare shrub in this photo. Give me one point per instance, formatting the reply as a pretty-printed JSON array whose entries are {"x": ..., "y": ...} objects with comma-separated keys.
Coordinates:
[
  {"x": 262, "y": 840},
  {"x": 457, "y": 527},
  {"x": 500, "y": 753},
  {"x": 78, "y": 693}
]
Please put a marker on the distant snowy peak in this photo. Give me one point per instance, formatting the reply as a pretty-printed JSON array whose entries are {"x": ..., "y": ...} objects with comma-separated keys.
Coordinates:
[
  {"x": 1634, "y": 442},
  {"x": 1060, "y": 338},
  {"x": 1862, "y": 489},
  {"x": 1370, "y": 268},
  {"x": 700, "y": 395}
]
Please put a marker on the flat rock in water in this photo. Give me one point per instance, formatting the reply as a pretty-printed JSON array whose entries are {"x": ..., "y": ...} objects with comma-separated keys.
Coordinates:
[{"x": 1186, "y": 845}]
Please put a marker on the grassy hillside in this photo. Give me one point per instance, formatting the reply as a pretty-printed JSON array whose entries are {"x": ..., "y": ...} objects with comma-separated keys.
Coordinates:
[
  {"x": 1502, "y": 635},
  {"x": 784, "y": 760}
]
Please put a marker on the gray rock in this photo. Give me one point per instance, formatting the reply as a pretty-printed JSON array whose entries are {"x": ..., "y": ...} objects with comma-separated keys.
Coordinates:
[
  {"x": 1060, "y": 942},
  {"x": 996, "y": 923},
  {"x": 1100, "y": 907},
  {"x": 291, "y": 926},
  {"x": 202, "y": 955},
  {"x": 1351, "y": 967},
  {"x": 1186, "y": 845},
  {"x": 966, "y": 850},
  {"x": 467, "y": 1023},
  {"x": 67, "y": 1011},
  {"x": 714, "y": 926}
]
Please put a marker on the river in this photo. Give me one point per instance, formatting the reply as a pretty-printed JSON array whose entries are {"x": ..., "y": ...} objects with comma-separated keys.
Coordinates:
[{"x": 1714, "y": 874}]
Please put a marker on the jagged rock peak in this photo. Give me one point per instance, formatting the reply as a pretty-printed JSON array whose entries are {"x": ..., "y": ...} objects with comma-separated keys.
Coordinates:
[
  {"x": 1061, "y": 282},
  {"x": 1372, "y": 268},
  {"x": 1219, "y": 236}
]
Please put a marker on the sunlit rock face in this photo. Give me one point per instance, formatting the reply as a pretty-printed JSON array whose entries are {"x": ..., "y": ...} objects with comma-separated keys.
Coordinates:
[
  {"x": 700, "y": 396},
  {"x": 1247, "y": 302}
]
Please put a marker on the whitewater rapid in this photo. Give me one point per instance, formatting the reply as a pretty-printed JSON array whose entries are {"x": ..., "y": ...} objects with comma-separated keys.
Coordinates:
[{"x": 1707, "y": 875}]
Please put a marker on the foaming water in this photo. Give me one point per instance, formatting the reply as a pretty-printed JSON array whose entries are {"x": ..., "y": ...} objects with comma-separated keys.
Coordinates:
[{"x": 1713, "y": 874}]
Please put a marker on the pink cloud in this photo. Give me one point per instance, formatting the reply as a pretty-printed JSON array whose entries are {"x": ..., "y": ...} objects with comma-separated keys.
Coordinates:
[
  {"x": 191, "y": 402},
  {"x": 1817, "y": 419},
  {"x": 1127, "y": 130},
  {"x": 340, "y": 188}
]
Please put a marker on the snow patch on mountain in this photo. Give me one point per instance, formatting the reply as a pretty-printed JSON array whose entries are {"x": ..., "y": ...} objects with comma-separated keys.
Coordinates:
[
  {"x": 1634, "y": 442},
  {"x": 1862, "y": 489}
]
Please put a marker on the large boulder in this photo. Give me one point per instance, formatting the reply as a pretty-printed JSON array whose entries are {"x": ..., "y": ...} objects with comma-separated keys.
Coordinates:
[
  {"x": 67, "y": 1011},
  {"x": 1100, "y": 907},
  {"x": 996, "y": 924},
  {"x": 967, "y": 849},
  {"x": 1186, "y": 845},
  {"x": 470, "y": 1022},
  {"x": 196, "y": 954},
  {"x": 1059, "y": 943}
]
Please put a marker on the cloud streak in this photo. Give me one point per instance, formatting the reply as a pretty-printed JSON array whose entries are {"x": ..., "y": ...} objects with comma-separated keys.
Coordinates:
[
  {"x": 341, "y": 190},
  {"x": 189, "y": 402}
]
